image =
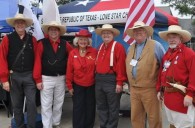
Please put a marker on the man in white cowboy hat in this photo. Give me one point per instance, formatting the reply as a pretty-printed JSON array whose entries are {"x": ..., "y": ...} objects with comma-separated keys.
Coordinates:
[
  {"x": 142, "y": 66},
  {"x": 49, "y": 72},
  {"x": 177, "y": 69},
  {"x": 110, "y": 75},
  {"x": 16, "y": 61}
]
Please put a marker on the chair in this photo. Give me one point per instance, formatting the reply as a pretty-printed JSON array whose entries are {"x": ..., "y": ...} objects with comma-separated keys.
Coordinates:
[{"x": 3, "y": 98}]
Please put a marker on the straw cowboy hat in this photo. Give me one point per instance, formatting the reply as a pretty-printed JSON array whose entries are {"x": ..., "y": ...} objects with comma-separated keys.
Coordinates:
[
  {"x": 62, "y": 28},
  {"x": 19, "y": 16},
  {"x": 186, "y": 36},
  {"x": 140, "y": 24},
  {"x": 107, "y": 27}
]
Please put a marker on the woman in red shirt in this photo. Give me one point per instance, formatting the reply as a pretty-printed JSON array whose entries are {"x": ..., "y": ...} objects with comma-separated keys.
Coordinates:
[{"x": 80, "y": 79}]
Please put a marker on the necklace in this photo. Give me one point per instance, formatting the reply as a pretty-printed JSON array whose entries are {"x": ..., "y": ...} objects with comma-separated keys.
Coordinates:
[{"x": 82, "y": 51}]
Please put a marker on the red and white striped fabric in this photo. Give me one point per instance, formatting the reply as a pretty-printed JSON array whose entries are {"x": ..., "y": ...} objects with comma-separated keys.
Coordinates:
[{"x": 139, "y": 10}]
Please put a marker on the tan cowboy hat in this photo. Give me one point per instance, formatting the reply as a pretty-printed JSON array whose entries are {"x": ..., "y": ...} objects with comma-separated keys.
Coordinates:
[
  {"x": 19, "y": 16},
  {"x": 140, "y": 24},
  {"x": 62, "y": 28},
  {"x": 178, "y": 30},
  {"x": 107, "y": 27}
]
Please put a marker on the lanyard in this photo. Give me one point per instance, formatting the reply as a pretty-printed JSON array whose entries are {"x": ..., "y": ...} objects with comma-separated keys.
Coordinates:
[{"x": 135, "y": 49}]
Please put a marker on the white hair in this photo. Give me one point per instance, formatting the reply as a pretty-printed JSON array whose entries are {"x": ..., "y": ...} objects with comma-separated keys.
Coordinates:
[{"x": 76, "y": 39}]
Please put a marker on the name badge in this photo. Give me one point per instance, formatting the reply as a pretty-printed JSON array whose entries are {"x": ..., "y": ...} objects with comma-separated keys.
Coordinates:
[
  {"x": 133, "y": 62},
  {"x": 167, "y": 64}
]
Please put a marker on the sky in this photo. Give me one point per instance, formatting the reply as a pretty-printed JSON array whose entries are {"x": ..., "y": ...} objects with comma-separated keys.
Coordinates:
[{"x": 174, "y": 12}]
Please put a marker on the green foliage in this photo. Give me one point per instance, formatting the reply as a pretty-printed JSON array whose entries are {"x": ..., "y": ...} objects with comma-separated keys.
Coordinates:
[
  {"x": 62, "y": 2},
  {"x": 193, "y": 22},
  {"x": 183, "y": 6},
  {"x": 35, "y": 4}
]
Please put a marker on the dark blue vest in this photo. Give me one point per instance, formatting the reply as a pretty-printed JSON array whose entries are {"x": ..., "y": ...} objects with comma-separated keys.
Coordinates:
[
  {"x": 54, "y": 64},
  {"x": 26, "y": 60}
]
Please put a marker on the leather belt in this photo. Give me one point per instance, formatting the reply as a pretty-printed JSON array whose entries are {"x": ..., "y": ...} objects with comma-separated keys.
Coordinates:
[{"x": 172, "y": 89}]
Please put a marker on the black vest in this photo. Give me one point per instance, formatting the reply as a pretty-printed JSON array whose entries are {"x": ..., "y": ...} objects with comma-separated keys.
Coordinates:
[
  {"x": 54, "y": 64},
  {"x": 26, "y": 60}
]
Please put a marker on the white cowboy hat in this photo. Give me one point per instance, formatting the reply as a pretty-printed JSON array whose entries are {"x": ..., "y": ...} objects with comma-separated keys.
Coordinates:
[
  {"x": 178, "y": 30},
  {"x": 140, "y": 24},
  {"x": 19, "y": 16},
  {"x": 107, "y": 27},
  {"x": 62, "y": 28}
]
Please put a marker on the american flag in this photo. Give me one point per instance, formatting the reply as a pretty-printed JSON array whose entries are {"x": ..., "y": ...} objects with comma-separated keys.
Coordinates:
[{"x": 142, "y": 10}]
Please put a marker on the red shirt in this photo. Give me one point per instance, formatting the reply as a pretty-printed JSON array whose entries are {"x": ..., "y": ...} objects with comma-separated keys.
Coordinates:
[
  {"x": 103, "y": 62},
  {"x": 182, "y": 69},
  {"x": 4, "y": 48},
  {"x": 37, "y": 74},
  {"x": 81, "y": 70}
]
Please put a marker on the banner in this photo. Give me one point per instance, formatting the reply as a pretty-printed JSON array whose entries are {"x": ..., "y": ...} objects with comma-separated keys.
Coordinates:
[{"x": 92, "y": 18}]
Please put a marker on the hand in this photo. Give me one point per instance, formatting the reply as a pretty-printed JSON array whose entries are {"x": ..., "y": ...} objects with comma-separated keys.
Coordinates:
[
  {"x": 160, "y": 96},
  {"x": 126, "y": 88},
  {"x": 119, "y": 88},
  {"x": 71, "y": 91},
  {"x": 39, "y": 86},
  {"x": 187, "y": 101},
  {"x": 6, "y": 86}
]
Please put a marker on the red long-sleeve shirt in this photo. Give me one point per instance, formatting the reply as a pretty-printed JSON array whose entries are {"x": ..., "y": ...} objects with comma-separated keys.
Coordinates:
[
  {"x": 81, "y": 70},
  {"x": 4, "y": 48},
  {"x": 182, "y": 70},
  {"x": 37, "y": 71},
  {"x": 103, "y": 62}
]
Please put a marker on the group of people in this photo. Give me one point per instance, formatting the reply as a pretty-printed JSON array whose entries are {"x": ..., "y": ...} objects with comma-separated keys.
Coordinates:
[{"x": 95, "y": 78}]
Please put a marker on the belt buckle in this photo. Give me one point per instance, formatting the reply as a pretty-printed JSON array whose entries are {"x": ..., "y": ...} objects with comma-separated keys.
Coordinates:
[{"x": 11, "y": 71}]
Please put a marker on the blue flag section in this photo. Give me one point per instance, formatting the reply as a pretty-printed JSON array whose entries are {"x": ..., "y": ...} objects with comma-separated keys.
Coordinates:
[{"x": 77, "y": 7}]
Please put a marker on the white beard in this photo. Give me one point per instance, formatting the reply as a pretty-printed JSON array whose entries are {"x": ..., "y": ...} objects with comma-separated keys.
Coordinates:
[{"x": 172, "y": 46}]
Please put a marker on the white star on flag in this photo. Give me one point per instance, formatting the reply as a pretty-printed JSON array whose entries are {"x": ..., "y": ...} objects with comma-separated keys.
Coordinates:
[{"x": 84, "y": 3}]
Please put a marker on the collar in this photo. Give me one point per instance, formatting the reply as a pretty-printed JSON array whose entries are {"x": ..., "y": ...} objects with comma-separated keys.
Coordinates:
[
  {"x": 52, "y": 42},
  {"x": 109, "y": 44},
  {"x": 88, "y": 49},
  {"x": 142, "y": 43},
  {"x": 178, "y": 48}
]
